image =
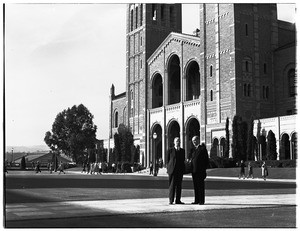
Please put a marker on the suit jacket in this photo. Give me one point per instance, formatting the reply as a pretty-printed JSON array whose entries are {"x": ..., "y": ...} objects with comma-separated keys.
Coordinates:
[
  {"x": 172, "y": 161},
  {"x": 200, "y": 161}
]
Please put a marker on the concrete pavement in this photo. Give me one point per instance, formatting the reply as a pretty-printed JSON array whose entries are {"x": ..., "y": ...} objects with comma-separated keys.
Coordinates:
[{"x": 48, "y": 210}]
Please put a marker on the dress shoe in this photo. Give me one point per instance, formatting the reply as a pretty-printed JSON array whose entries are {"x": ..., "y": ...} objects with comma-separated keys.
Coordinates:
[
  {"x": 179, "y": 203},
  {"x": 201, "y": 203},
  {"x": 170, "y": 203},
  {"x": 195, "y": 203}
]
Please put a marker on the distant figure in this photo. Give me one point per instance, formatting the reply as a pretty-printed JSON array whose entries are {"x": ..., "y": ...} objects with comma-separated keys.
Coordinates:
[
  {"x": 38, "y": 167},
  {"x": 242, "y": 170},
  {"x": 61, "y": 168},
  {"x": 33, "y": 165},
  {"x": 264, "y": 171},
  {"x": 50, "y": 167},
  {"x": 113, "y": 167},
  {"x": 250, "y": 171},
  {"x": 84, "y": 166},
  {"x": 151, "y": 168}
]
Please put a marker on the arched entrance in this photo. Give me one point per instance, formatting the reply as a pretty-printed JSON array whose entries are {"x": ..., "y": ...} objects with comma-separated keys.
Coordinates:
[
  {"x": 192, "y": 129},
  {"x": 174, "y": 80},
  {"x": 285, "y": 147},
  {"x": 222, "y": 146},
  {"x": 214, "y": 147},
  {"x": 173, "y": 131},
  {"x": 192, "y": 81},
  {"x": 157, "y": 91},
  {"x": 156, "y": 139},
  {"x": 262, "y": 144},
  {"x": 294, "y": 145}
]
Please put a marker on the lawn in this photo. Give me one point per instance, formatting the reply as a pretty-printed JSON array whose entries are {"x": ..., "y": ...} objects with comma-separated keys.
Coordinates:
[{"x": 274, "y": 173}]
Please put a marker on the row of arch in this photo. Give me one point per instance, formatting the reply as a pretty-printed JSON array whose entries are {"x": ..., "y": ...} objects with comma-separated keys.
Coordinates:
[
  {"x": 287, "y": 147},
  {"x": 192, "y": 128},
  {"x": 174, "y": 83}
]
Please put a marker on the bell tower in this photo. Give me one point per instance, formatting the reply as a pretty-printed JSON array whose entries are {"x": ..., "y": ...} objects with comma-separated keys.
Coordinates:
[{"x": 147, "y": 27}]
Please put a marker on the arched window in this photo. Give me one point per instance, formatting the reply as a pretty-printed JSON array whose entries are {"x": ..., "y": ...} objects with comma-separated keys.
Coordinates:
[
  {"x": 162, "y": 12},
  {"x": 267, "y": 92},
  {"x": 249, "y": 89},
  {"x": 210, "y": 70},
  {"x": 131, "y": 100},
  {"x": 116, "y": 119},
  {"x": 292, "y": 82},
  {"x": 131, "y": 20},
  {"x": 136, "y": 16},
  {"x": 141, "y": 15},
  {"x": 265, "y": 68},
  {"x": 247, "y": 65},
  {"x": 154, "y": 12},
  {"x": 211, "y": 95},
  {"x": 245, "y": 89}
]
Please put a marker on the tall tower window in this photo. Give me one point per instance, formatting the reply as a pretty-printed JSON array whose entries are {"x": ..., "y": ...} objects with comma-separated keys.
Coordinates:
[
  {"x": 171, "y": 16},
  {"x": 245, "y": 89},
  {"x": 136, "y": 16},
  {"x": 246, "y": 29},
  {"x": 162, "y": 12},
  {"x": 131, "y": 20},
  {"x": 211, "y": 95},
  {"x": 249, "y": 89},
  {"x": 267, "y": 92},
  {"x": 141, "y": 15},
  {"x": 154, "y": 12},
  {"x": 265, "y": 68},
  {"x": 292, "y": 82},
  {"x": 264, "y": 91},
  {"x": 247, "y": 66},
  {"x": 210, "y": 70},
  {"x": 116, "y": 119}
]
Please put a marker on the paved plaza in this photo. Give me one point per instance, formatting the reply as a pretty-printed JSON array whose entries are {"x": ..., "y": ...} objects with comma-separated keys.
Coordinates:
[{"x": 280, "y": 205}]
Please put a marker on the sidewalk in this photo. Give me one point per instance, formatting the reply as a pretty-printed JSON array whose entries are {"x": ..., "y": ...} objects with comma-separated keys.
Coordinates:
[
  {"x": 31, "y": 211},
  {"x": 163, "y": 172}
]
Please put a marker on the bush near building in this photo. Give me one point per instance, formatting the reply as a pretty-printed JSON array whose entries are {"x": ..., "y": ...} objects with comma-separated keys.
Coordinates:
[{"x": 221, "y": 162}]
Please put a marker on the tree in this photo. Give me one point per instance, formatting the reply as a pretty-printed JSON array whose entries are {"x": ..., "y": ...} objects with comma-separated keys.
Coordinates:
[
  {"x": 123, "y": 144},
  {"x": 271, "y": 146},
  {"x": 23, "y": 163},
  {"x": 250, "y": 141},
  {"x": 73, "y": 131},
  {"x": 239, "y": 138},
  {"x": 227, "y": 141},
  {"x": 235, "y": 148}
]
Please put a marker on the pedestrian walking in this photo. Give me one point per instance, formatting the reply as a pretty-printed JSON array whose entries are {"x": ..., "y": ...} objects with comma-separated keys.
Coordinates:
[
  {"x": 151, "y": 168},
  {"x": 61, "y": 168},
  {"x": 200, "y": 163},
  {"x": 113, "y": 167},
  {"x": 84, "y": 167},
  {"x": 242, "y": 170},
  {"x": 175, "y": 169},
  {"x": 250, "y": 171},
  {"x": 38, "y": 167},
  {"x": 264, "y": 171},
  {"x": 50, "y": 167}
]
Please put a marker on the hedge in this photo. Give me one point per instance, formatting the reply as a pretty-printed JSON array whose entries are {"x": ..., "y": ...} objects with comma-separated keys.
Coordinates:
[{"x": 221, "y": 162}]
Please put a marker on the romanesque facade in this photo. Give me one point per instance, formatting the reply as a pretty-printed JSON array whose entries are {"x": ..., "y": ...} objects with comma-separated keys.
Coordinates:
[{"x": 240, "y": 61}]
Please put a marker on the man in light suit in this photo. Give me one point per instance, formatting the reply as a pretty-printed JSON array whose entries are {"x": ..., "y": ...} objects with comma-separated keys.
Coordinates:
[
  {"x": 200, "y": 163},
  {"x": 175, "y": 169}
]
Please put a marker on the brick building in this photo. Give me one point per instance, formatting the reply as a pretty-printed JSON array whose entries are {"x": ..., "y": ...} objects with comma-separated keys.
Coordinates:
[{"x": 241, "y": 61}]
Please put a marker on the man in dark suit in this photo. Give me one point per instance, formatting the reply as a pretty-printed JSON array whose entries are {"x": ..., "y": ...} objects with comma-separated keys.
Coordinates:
[
  {"x": 175, "y": 169},
  {"x": 199, "y": 165}
]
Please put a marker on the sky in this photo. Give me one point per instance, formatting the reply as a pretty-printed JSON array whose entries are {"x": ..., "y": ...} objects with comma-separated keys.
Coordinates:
[{"x": 60, "y": 55}]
